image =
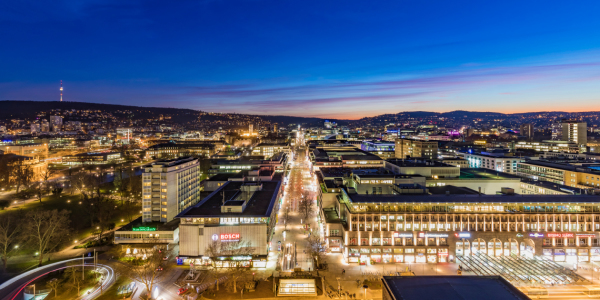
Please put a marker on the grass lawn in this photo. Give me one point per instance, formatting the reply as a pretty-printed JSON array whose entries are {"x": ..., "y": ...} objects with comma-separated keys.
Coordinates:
[{"x": 111, "y": 293}]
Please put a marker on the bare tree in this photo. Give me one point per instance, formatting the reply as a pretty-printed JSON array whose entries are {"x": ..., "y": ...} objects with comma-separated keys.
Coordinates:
[
  {"x": 10, "y": 236},
  {"x": 306, "y": 207},
  {"x": 46, "y": 229},
  {"x": 74, "y": 280},
  {"x": 147, "y": 270},
  {"x": 224, "y": 263},
  {"x": 54, "y": 284},
  {"x": 316, "y": 248},
  {"x": 23, "y": 174}
]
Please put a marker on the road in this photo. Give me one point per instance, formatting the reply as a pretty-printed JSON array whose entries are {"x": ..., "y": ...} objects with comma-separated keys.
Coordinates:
[
  {"x": 293, "y": 236},
  {"x": 11, "y": 289}
]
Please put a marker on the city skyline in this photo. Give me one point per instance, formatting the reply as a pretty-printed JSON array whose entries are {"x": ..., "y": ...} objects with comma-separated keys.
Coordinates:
[{"x": 312, "y": 60}]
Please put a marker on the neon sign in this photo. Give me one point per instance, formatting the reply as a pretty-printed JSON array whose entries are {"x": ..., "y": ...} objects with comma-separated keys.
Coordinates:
[
  {"x": 560, "y": 235},
  {"x": 143, "y": 228},
  {"x": 536, "y": 235},
  {"x": 230, "y": 237}
]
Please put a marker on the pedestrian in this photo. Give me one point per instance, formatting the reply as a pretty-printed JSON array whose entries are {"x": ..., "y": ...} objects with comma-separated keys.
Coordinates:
[{"x": 343, "y": 271}]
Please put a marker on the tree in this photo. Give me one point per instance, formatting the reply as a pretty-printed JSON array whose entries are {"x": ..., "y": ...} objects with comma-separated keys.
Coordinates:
[
  {"x": 131, "y": 210},
  {"x": 306, "y": 207},
  {"x": 74, "y": 280},
  {"x": 22, "y": 174},
  {"x": 57, "y": 189},
  {"x": 54, "y": 284},
  {"x": 316, "y": 248},
  {"x": 46, "y": 229},
  {"x": 10, "y": 236},
  {"x": 235, "y": 270},
  {"x": 145, "y": 270}
]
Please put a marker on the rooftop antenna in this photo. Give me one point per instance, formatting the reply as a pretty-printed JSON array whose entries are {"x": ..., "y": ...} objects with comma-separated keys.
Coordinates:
[{"x": 61, "y": 90}]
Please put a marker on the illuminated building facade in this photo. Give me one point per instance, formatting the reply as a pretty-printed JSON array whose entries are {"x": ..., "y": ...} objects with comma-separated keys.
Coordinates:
[
  {"x": 169, "y": 187},
  {"x": 237, "y": 211},
  {"x": 438, "y": 228}
]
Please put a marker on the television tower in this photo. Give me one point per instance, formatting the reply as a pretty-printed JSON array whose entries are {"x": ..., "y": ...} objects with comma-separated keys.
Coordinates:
[{"x": 61, "y": 90}]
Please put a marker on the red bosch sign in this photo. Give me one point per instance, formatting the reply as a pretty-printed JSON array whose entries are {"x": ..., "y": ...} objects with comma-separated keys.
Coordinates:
[
  {"x": 560, "y": 235},
  {"x": 230, "y": 237}
]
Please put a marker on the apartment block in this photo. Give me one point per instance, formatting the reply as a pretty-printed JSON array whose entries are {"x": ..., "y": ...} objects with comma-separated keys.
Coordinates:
[
  {"x": 169, "y": 187},
  {"x": 406, "y": 148}
]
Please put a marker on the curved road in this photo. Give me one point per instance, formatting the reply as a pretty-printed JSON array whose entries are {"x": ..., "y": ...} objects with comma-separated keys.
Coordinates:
[{"x": 11, "y": 289}]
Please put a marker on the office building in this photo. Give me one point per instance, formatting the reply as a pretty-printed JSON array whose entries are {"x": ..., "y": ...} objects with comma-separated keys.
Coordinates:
[
  {"x": 45, "y": 127},
  {"x": 251, "y": 129},
  {"x": 236, "y": 211},
  {"x": 575, "y": 132},
  {"x": 169, "y": 187},
  {"x": 36, "y": 151},
  {"x": 407, "y": 148},
  {"x": 124, "y": 134},
  {"x": 585, "y": 176},
  {"x": 172, "y": 149},
  {"x": 527, "y": 130},
  {"x": 424, "y": 228},
  {"x": 56, "y": 123},
  {"x": 547, "y": 146},
  {"x": 493, "y": 161},
  {"x": 557, "y": 131},
  {"x": 93, "y": 158},
  {"x": 269, "y": 149}
]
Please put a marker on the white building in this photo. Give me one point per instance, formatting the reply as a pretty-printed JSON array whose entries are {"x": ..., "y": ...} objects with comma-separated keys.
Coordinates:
[
  {"x": 237, "y": 211},
  {"x": 500, "y": 163},
  {"x": 169, "y": 187}
]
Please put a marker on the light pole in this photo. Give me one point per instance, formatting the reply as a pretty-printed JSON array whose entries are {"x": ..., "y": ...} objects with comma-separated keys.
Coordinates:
[{"x": 365, "y": 287}]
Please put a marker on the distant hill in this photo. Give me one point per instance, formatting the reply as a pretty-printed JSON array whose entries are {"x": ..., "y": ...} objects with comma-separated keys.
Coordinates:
[{"x": 16, "y": 109}]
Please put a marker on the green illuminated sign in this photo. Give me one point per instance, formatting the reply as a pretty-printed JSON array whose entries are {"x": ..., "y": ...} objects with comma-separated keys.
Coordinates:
[{"x": 143, "y": 229}]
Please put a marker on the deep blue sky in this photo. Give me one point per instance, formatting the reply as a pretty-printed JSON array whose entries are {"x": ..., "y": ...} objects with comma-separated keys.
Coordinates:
[{"x": 345, "y": 59}]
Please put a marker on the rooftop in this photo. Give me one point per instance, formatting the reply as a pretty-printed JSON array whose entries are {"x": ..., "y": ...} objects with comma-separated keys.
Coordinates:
[
  {"x": 481, "y": 173},
  {"x": 450, "y": 288},
  {"x": 417, "y": 163},
  {"x": 260, "y": 204},
  {"x": 471, "y": 198},
  {"x": 155, "y": 226}
]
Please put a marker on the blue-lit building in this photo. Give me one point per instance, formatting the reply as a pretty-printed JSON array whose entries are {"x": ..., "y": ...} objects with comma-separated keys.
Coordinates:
[{"x": 377, "y": 146}]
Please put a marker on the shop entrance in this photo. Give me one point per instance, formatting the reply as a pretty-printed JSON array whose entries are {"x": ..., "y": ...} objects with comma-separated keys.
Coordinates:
[{"x": 527, "y": 248}]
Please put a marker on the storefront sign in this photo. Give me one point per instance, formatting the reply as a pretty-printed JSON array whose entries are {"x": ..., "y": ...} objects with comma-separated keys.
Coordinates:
[
  {"x": 143, "y": 228},
  {"x": 519, "y": 235},
  {"x": 215, "y": 237},
  {"x": 433, "y": 235},
  {"x": 230, "y": 237},
  {"x": 586, "y": 235},
  {"x": 560, "y": 235},
  {"x": 403, "y": 234},
  {"x": 536, "y": 235},
  {"x": 462, "y": 235}
]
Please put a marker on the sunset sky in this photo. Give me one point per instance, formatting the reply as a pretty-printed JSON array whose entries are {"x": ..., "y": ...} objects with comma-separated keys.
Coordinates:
[{"x": 330, "y": 59}]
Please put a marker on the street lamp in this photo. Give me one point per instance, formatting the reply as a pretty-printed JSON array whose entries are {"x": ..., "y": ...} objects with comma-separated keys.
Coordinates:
[{"x": 365, "y": 287}]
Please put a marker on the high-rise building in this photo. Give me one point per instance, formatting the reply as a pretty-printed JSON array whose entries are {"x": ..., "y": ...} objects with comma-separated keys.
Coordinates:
[
  {"x": 557, "y": 131},
  {"x": 406, "y": 148},
  {"x": 527, "y": 130},
  {"x": 56, "y": 123},
  {"x": 574, "y": 131},
  {"x": 35, "y": 128},
  {"x": 251, "y": 128},
  {"x": 169, "y": 187},
  {"x": 45, "y": 127},
  {"x": 275, "y": 128}
]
